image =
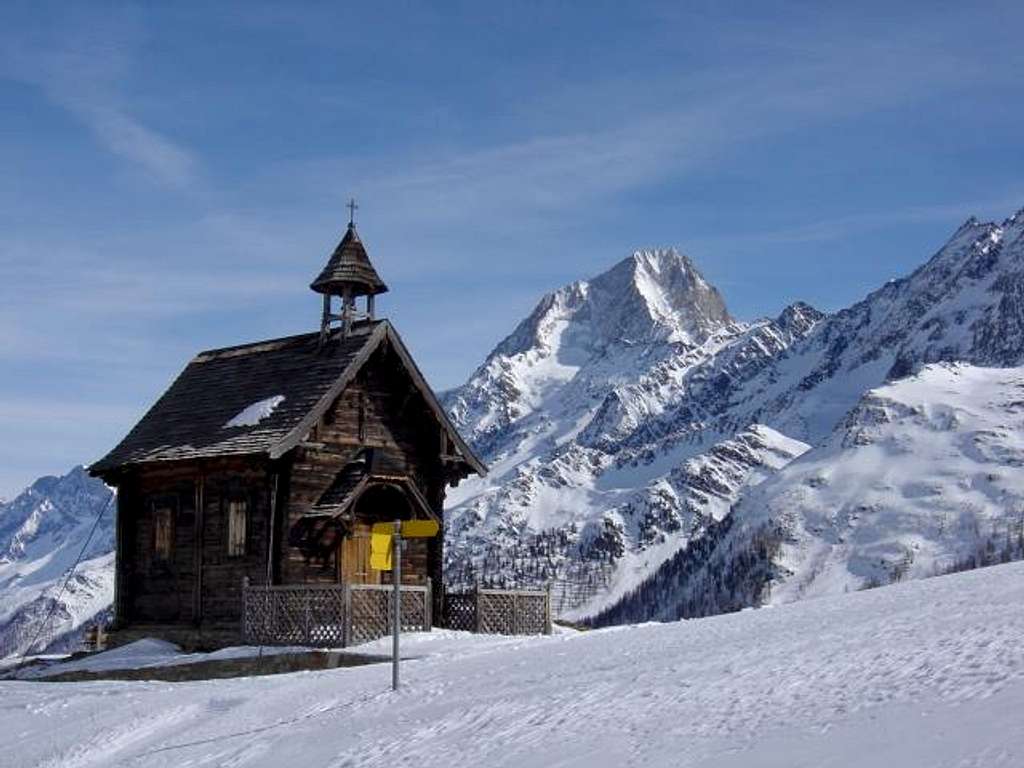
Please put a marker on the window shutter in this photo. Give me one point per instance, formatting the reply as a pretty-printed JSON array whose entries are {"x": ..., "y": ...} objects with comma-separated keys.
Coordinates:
[
  {"x": 163, "y": 532},
  {"x": 237, "y": 518}
]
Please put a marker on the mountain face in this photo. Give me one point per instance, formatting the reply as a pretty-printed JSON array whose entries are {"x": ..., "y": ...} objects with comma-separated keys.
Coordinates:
[
  {"x": 579, "y": 491},
  {"x": 583, "y": 426},
  {"x": 922, "y": 477},
  {"x": 581, "y": 338},
  {"x": 923, "y": 474},
  {"x": 42, "y": 531}
]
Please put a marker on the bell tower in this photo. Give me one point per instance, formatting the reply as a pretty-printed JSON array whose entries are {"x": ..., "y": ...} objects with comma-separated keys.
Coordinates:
[{"x": 348, "y": 276}]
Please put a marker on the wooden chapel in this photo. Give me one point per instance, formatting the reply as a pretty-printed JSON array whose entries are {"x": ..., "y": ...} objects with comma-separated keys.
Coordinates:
[{"x": 270, "y": 461}]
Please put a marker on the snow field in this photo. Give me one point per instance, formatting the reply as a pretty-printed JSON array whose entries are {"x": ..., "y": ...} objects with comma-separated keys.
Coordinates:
[
  {"x": 926, "y": 673},
  {"x": 924, "y": 471}
]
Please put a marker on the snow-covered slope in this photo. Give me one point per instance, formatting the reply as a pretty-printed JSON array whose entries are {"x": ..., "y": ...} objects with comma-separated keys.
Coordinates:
[
  {"x": 42, "y": 531},
  {"x": 922, "y": 477},
  {"x": 614, "y": 535},
  {"x": 928, "y": 673},
  {"x": 924, "y": 474}
]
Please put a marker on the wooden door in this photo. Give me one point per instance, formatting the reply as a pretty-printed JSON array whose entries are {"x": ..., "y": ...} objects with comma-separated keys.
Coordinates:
[{"x": 354, "y": 562}]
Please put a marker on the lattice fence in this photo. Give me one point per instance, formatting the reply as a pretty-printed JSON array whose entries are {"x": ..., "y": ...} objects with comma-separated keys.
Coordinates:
[
  {"x": 460, "y": 611},
  {"x": 499, "y": 611},
  {"x": 371, "y": 608},
  {"x": 336, "y": 615},
  {"x": 568, "y": 595},
  {"x": 329, "y": 615},
  {"x": 294, "y": 615}
]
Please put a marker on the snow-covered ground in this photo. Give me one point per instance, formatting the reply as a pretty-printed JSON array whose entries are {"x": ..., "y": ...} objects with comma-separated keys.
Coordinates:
[{"x": 925, "y": 673}]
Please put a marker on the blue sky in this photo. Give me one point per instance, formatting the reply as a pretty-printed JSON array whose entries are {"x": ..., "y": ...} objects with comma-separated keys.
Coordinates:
[{"x": 174, "y": 176}]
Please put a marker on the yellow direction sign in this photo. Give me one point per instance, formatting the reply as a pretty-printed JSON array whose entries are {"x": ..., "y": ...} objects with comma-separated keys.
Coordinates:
[
  {"x": 381, "y": 536},
  {"x": 419, "y": 529},
  {"x": 411, "y": 529},
  {"x": 380, "y": 549}
]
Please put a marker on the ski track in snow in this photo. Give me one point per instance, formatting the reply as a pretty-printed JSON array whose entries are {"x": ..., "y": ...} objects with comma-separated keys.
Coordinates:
[{"x": 926, "y": 673}]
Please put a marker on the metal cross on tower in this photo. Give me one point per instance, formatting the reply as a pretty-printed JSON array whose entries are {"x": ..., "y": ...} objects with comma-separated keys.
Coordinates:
[{"x": 352, "y": 208}]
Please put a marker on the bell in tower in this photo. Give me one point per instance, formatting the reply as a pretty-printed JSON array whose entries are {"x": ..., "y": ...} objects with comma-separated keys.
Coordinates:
[{"x": 348, "y": 276}]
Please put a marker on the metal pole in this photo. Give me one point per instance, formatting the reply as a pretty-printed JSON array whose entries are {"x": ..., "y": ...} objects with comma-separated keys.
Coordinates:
[{"x": 396, "y": 572}]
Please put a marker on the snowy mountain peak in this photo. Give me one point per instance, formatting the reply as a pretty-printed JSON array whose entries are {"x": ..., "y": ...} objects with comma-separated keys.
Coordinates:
[
  {"x": 656, "y": 295},
  {"x": 583, "y": 339},
  {"x": 652, "y": 296},
  {"x": 798, "y": 318},
  {"x": 971, "y": 223},
  {"x": 969, "y": 254},
  {"x": 1015, "y": 219},
  {"x": 44, "y": 512}
]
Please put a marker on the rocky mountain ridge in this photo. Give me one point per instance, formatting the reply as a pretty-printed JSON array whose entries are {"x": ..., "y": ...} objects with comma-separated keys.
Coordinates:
[
  {"x": 616, "y": 425},
  {"x": 575, "y": 493}
]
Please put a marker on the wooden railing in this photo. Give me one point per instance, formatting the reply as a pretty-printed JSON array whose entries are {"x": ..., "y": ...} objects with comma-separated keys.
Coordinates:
[
  {"x": 328, "y": 615},
  {"x": 499, "y": 611},
  {"x": 340, "y": 615},
  {"x": 370, "y": 610}
]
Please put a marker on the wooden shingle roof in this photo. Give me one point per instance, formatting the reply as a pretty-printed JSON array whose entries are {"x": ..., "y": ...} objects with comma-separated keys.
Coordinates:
[
  {"x": 349, "y": 265},
  {"x": 303, "y": 378},
  {"x": 344, "y": 488}
]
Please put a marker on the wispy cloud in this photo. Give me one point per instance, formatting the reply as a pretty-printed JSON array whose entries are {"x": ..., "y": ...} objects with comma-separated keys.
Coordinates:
[
  {"x": 127, "y": 137},
  {"x": 84, "y": 279},
  {"x": 644, "y": 136},
  {"x": 81, "y": 65},
  {"x": 85, "y": 415}
]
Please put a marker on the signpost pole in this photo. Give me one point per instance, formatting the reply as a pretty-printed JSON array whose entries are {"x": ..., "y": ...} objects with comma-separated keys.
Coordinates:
[
  {"x": 386, "y": 554},
  {"x": 396, "y": 572}
]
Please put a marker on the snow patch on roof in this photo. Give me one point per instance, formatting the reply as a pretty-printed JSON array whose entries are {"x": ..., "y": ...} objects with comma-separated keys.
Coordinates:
[{"x": 255, "y": 413}]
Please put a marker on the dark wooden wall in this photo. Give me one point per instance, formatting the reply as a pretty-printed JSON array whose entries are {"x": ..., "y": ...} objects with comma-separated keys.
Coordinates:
[
  {"x": 200, "y": 581},
  {"x": 380, "y": 409}
]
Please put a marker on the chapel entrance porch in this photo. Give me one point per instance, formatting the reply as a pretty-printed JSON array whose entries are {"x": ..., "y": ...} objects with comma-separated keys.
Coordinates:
[{"x": 382, "y": 502}]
